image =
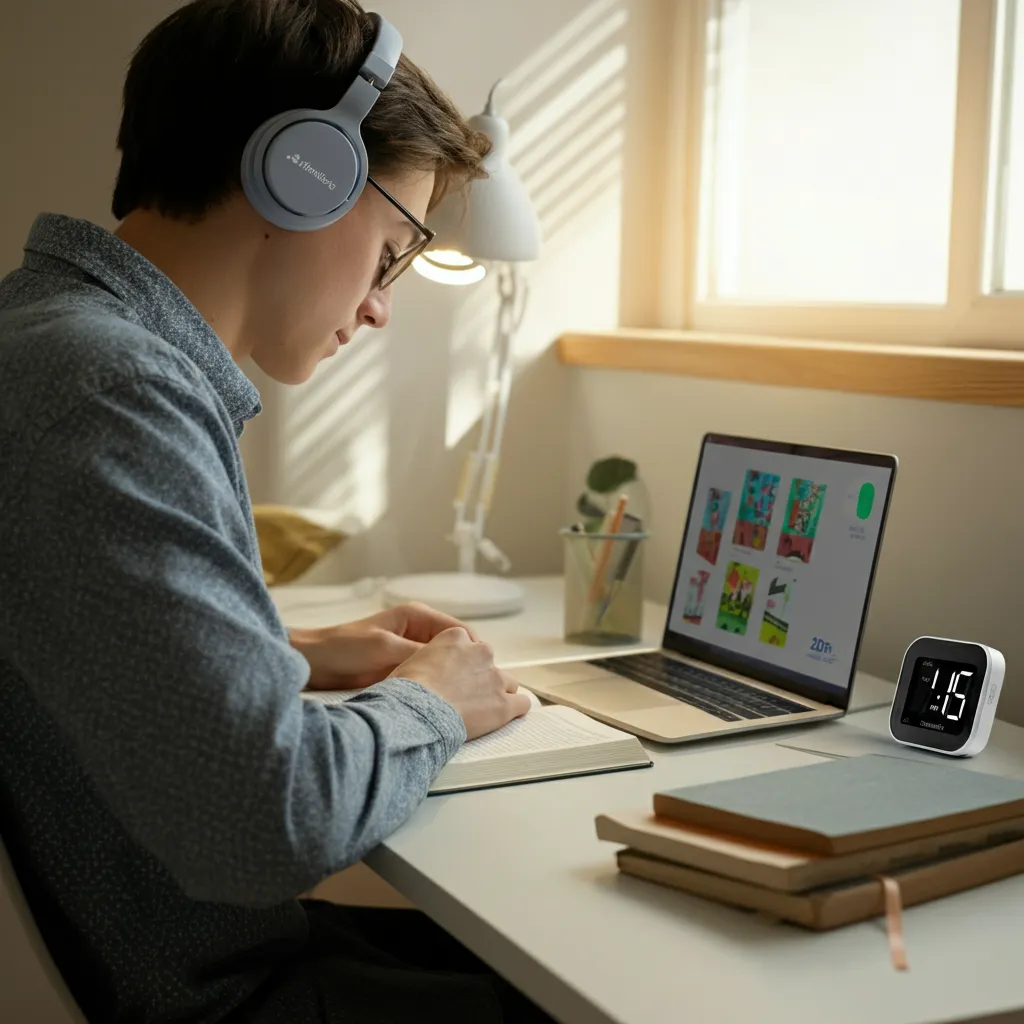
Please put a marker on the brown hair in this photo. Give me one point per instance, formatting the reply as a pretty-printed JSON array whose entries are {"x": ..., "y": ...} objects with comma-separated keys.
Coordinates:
[{"x": 209, "y": 74}]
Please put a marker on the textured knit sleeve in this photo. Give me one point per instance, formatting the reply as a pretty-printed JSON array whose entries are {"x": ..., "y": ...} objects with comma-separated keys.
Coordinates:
[{"x": 142, "y": 623}]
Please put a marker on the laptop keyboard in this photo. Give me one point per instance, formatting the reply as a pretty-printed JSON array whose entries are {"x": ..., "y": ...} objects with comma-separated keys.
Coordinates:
[{"x": 718, "y": 695}]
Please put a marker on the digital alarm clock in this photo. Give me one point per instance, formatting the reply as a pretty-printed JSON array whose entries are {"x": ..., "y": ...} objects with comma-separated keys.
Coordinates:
[{"x": 947, "y": 695}]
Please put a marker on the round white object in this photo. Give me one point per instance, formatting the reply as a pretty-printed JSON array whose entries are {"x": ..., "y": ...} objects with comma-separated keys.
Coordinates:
[{"x": 464, "y": 595}]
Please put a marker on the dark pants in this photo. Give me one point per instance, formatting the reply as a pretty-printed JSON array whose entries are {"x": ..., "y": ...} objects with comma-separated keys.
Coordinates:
[{"x": 367, "y": 965}]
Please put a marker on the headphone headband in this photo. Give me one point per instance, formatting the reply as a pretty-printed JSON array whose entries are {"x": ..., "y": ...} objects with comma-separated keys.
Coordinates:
[
  {"x": 382, "y": 59},
  {"x": 304, "y": 169}
]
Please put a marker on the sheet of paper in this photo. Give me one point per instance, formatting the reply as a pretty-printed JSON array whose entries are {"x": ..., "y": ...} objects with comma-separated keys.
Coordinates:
[{"x": 553, "y": 728}]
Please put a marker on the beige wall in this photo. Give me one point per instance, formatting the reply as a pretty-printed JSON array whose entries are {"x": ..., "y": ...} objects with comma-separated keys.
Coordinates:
[
  {"x": 379, "y": 435},
  {"x": 952, "y": 552},
  {"x": 62, "y": 64}
]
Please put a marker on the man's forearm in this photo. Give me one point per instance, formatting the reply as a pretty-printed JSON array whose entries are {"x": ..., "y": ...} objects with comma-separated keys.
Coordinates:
[
  {"x": 338, "y": 792},
  {"x": 300, "y": 640}
]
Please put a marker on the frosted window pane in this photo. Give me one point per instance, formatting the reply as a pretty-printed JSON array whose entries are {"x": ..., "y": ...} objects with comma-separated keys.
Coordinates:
[{"x": 831, "y": 126}]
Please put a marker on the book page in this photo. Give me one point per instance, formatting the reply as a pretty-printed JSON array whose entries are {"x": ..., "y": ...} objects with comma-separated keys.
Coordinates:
[{"x": 544, "y": 729}]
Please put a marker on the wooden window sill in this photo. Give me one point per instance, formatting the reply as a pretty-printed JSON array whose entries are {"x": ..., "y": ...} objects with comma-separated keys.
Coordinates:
[{"x": 973, "y": 376}]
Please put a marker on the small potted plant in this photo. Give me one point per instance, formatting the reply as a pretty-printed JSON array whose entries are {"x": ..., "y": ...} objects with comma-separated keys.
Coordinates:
[{"x": 606, "y": 480}]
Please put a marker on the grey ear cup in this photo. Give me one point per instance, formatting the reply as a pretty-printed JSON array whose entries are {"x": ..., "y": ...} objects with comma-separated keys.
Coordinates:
[
  {"x": 304, "y": 169},
  {"x": 301, "y": 172}
]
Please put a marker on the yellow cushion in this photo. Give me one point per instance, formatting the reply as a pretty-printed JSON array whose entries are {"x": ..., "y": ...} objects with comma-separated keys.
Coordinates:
[{"x": 290, "y": 542}]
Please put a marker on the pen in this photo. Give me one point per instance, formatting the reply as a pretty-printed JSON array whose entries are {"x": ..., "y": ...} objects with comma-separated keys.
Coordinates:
[
  {"x": 634, "y": 525},
  {"x": 606, "y": 549}
]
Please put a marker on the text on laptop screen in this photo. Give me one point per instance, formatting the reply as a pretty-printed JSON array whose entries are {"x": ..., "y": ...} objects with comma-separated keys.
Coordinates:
[{"x": 777, "y": 560}]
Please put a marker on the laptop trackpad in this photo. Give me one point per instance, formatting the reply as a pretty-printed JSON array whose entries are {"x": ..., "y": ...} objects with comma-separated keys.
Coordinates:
[{"x": 612, "y": 694}]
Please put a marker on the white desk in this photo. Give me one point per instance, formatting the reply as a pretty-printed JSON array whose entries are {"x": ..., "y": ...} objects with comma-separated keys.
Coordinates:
[
  {"x": 868, "y": 733},
  {"x": 532, "y": 636},
  {"x": 518, "y": 876}
]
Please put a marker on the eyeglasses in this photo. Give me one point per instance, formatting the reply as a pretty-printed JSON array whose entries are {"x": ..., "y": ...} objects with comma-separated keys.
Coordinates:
[{"x": 389, "y": 272}]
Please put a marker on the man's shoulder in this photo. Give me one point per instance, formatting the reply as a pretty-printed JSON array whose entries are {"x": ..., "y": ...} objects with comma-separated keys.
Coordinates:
[{"x": 59, "y": 346}]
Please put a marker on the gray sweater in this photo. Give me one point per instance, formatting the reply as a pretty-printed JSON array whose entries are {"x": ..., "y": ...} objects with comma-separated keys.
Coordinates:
[{"x": 165, "y": 793}]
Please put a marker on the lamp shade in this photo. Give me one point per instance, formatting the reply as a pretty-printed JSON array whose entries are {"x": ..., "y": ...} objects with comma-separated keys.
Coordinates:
[{"x": 492, "y": 219}]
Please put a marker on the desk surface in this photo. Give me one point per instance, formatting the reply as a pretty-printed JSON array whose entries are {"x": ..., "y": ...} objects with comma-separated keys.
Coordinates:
[
  {"x": 534, "y": 635},
  {"x": 518, "y": 875}
]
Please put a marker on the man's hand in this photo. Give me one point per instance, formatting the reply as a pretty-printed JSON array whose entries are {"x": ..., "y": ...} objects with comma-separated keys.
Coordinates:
[
  {"x": 360, "y": 653},
  {"x": 461, "y": 670}
]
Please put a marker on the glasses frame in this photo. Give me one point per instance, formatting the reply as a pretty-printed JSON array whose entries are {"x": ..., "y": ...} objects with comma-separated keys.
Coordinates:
[{"x": 405, "y": 258}]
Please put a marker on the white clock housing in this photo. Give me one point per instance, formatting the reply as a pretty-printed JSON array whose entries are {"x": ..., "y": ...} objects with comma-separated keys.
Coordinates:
[{"x": 947, "y": 695}]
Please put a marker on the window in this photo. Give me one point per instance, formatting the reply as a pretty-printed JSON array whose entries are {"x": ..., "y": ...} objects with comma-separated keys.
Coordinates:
[
  {"x": 832, "y": 150},
  {"x": 1006, "y": 176},
  {"x": 857, "y": 170}
]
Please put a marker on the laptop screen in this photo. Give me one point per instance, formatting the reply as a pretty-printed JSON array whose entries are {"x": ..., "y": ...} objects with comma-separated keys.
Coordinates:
[{"x": 777, "y": 562}]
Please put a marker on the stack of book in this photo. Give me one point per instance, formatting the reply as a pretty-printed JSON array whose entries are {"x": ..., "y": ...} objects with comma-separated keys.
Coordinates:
[{"x": 818, "y": 845}]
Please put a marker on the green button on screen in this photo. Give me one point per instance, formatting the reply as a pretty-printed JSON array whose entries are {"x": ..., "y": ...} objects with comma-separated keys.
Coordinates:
[{"x": 865, "y": 500}]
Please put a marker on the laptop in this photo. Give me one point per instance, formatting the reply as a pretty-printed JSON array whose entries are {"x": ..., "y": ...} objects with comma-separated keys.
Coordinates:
[{"x": 767, "y": 611}]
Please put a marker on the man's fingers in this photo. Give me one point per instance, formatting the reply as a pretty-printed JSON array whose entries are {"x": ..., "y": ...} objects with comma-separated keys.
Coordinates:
[
  {"x": 473, "y": 635},
  {"x": 400, "y": 649},
  {"x": 519, "y": 703},
  {"x": 421, "y": 622},
  {"x": 453, "y": 635},
  {"x": 511, "y": 685}
]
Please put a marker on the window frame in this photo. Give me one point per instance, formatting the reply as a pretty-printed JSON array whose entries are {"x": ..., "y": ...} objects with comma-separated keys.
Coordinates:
[{"x": 971, "y": 317}]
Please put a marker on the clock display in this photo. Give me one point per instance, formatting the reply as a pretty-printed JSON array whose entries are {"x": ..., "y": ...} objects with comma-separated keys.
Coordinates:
[{"x": 942, "y": 696}]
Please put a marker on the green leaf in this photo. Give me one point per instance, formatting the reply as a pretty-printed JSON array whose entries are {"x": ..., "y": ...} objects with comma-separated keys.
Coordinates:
[
  {"x": 587, "y": 508},
  {"x": 606, "y": 475}
]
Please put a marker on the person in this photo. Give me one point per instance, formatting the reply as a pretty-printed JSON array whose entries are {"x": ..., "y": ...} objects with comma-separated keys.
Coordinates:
[{"x": 166, "y": 794}]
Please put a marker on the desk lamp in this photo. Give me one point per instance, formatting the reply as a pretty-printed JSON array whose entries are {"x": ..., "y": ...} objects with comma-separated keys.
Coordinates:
[{"x": 489, "y": 227}]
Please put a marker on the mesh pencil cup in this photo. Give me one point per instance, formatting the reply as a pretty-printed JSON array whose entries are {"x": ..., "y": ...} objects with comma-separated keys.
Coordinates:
[{"x": 604, "y": 584}]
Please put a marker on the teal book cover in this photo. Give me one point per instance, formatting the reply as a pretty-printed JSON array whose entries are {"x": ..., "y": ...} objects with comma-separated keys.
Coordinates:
[{"x": 838, "y": 806}]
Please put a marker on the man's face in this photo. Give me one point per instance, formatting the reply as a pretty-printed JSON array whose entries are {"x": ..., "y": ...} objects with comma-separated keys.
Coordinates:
[{"x": 316, "y": 288}]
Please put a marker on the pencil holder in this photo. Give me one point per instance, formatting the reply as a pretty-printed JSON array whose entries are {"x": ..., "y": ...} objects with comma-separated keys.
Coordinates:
[{"x": 604, "y": 584}]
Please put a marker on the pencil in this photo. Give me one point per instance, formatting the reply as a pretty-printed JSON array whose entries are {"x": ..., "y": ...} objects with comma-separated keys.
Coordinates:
[
  {"x": 620, "y": 574},
  {"x": 606, "y": 549}
]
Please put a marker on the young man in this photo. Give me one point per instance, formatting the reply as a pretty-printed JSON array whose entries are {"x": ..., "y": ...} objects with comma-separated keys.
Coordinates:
[{"x": 165, "y": 793}]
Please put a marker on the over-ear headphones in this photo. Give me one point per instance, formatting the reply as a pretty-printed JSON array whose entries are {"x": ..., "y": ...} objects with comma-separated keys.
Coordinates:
[{"x": 304, "y": 169}]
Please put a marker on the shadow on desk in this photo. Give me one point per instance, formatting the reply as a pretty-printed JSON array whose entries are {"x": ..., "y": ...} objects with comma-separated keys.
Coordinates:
[{"x": 1013, "y": 1017}]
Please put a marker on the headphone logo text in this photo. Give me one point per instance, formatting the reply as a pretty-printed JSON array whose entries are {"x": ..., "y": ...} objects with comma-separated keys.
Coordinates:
[{"x": 310, "y": 169}]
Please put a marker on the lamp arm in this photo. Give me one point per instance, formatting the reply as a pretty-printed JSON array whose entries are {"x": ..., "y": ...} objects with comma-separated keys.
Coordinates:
[
  {"x": 465, "y": 534},
  {"x": 514, "y": 293},
  {"x": 481, "y": 469},
  {"x": 509, "y": 318}
]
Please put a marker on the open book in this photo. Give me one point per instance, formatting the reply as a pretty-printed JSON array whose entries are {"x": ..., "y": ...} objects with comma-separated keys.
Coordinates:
[{"x": 549, "y": 742}]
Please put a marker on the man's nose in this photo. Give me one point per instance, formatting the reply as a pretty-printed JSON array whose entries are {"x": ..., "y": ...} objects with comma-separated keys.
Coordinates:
[{"x": 376, "y": 309}]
